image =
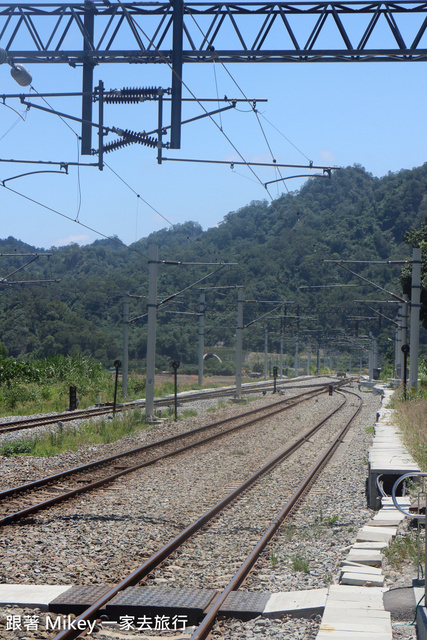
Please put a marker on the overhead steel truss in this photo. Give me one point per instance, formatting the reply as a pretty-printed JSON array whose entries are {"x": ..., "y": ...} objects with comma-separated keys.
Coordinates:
[
  {"x": 143, "y": 32},
  {"x": 173, "y": 33}
]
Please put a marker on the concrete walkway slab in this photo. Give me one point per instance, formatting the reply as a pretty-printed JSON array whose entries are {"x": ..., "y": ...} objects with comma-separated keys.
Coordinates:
[
  {"x": 30, "y": 595},
  {"x": 361, "y": 579},
  {"x": 299, "y": 603},
  {"x": 366, "y": 556},
  {"x": 354, "y": 567},
  {"x": 376, "y": 534}
]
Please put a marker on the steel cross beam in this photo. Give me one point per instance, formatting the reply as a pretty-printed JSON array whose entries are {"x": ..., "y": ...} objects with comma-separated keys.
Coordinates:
[{"x": 111, "y": 32}]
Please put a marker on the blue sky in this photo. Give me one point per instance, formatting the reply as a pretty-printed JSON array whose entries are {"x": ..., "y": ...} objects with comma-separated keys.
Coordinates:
[{"x": 333, "y": 114}]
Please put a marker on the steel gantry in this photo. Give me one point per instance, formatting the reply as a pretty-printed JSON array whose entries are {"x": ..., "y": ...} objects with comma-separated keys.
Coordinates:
[{"x": 173, "y": 33}]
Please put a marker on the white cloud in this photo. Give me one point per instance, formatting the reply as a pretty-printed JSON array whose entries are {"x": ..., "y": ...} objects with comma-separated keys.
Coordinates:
[
  {"x": 77, "y": 239},
  {"x": 327, "y": 156}
]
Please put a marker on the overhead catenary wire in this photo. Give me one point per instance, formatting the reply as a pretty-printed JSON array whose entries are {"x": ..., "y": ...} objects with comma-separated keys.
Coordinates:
[
  {"x": 79, "y": 192},
  {"x": 139, "y": 197},
  {"x": 257, "y": 114},
  {"x": 137, "y": 26},
  {"x": 64, "y": 215}
]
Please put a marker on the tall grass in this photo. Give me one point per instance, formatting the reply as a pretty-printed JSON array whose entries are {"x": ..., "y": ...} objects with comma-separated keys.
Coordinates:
[
  {"x": 412, "y": 419},
  {"x": 71, "y": 438}
]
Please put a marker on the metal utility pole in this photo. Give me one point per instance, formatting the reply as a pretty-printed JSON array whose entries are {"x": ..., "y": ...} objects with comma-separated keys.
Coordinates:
[
  {"x": 201, "y": 331},
  {"x": 415, "y": 318},
  {"x": 153, "y": 266},
  {"x": 239, "y": 340},
  {"x": 125, "y": 366}
]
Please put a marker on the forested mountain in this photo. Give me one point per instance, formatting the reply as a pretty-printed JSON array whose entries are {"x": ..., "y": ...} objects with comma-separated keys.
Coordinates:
[{"x": 279, "y": 247}]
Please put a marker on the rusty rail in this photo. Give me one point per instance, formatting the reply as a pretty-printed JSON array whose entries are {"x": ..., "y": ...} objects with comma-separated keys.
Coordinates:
[
  {"x": 205, "y": 627},
  {"x": 141, "y": 572},
  {"x": 280, "y": 406}
]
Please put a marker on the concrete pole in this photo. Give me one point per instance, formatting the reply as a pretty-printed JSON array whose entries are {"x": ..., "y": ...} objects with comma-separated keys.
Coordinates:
[
  {"x": 405, "y": 318},
  {"x": 375, "y": 354},
  {"x": 296, "y": 364},
  {"x": 415, "y": 318},
  {"x": 318, "y": 360},
  {"x": 371, "y": 357},
  {"x": 281, "y": 356},
  {"x": 266, "y": 354},
  {"x": 239, "y": 340},
  {"x": 308, "y": 359},
  {"x": 202, "y": 300},
  {"x": 397, "y": 344},
  {"x": 153, "y": 267},
  {"x": 125, "y": 365}
]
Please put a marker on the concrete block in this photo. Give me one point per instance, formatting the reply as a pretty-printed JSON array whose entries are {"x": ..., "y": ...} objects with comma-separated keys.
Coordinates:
[{"x": 361, "y": 579}]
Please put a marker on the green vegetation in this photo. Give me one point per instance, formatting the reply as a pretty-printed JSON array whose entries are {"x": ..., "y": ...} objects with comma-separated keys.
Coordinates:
[
  {"x": 73, "y": 438},
  {"x": 412, "y": 419},
  {"x": 274, "y": 557},
  {"x": 42, "y": 386},
  {"x": 300, "y": 563},
  {"x": 404, "y": 549},
  {"x": 278, "y": 247}
]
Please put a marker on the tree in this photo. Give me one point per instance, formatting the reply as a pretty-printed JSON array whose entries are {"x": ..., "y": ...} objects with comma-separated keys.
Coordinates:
[{"x": 417, "y": 238}]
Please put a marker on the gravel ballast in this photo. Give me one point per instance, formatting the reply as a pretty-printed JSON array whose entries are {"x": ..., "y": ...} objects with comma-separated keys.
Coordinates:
[{"x": 99, "y": 537}]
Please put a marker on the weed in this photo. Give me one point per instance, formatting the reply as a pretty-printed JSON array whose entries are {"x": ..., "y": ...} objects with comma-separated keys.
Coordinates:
[
  {"x": 274, "y": 557},
  {"x": 404, "y": 549},
  {"x": 332, "y": 519},
  {"x": 189, "y": 413},
  {"x": 300, "y": 563},
  {"x": 289, "y": 531},
  {"x": 370, "y": 429},
  {"x": 16, "y": 448}
]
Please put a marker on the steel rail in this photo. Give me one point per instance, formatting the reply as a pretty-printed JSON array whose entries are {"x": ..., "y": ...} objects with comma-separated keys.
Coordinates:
[
  {"x": 68, "y": 416},
  {"x": 14, "y": 517},
  {"x": 205, "y": 627},
  {"x": 157, "y": 558},
  {"x": 62, "y": 474}
]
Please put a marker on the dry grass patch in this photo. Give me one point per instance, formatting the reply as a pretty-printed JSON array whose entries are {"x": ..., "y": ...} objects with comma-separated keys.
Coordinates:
[{"x": 412, "y": 419}]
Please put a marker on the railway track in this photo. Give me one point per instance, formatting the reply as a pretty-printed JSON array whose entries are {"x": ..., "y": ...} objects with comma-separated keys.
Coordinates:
[
  {"x": 232, "y": 508},
  {"x": 93, "y": 412},
  {"x": 24, "y": 500}
]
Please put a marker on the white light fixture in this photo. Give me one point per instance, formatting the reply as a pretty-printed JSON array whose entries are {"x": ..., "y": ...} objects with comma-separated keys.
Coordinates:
[{"x": 19, "y": 73}]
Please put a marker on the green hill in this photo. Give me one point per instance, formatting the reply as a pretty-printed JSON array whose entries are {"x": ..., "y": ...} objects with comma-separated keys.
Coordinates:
[{"x": 279, "y": 247}]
